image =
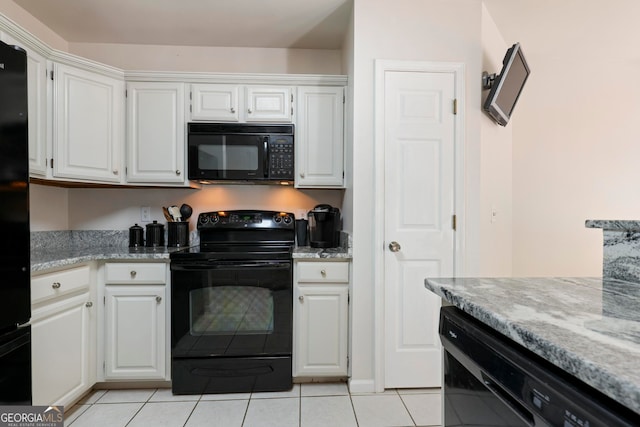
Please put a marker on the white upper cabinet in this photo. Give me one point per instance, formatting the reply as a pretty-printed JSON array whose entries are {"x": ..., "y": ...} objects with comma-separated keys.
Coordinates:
[
  {"x": 319, "y": 138},
  {"x": 269, "y": 104},
  {"x": 215, "y": 102},
  {"x": 37, "y": 107},
  {"x": 88, "y": 120},
  {"x": 37, "y": 113},
  {"x": 155, "y": 133},
  {"x": 238, "y": 103}
]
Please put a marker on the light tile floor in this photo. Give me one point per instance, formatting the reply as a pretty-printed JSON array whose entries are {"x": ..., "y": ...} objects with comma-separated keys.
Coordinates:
[{"x": 306, "y": 405}]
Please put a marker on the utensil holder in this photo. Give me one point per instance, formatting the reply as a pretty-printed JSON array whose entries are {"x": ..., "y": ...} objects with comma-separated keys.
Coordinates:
[{"x": 178, "y": 234}]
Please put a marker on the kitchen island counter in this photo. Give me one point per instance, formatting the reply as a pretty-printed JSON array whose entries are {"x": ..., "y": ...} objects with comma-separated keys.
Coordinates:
[{"x": 588, "y": 327}]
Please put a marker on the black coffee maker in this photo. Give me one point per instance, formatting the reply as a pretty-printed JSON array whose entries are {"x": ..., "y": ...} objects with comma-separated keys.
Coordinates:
[{"x": 325, "y": 224}]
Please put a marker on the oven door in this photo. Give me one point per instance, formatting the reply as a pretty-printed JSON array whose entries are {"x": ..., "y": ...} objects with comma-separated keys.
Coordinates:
[{"x": 231, "y": 308}]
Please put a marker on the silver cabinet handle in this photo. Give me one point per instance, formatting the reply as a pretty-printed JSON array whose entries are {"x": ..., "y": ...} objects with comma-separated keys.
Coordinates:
[
  {"x": 56, "y": 285},
  {"x": 249, "y": 111},
  {"x": 158, "y": 299},
  {"x": 233, "y": 110},
  {"x": 89, "y": 304},
  {"x": 301, "y": 298},
  {"x": 178, "y": 172},
  {"x": 133, "y": 273},
  {"x": 323, "y": 273},
  {"x": 301, "y": 174},
  {"x": 394, "y": 247},
  {"x": 115, "y": 171}
]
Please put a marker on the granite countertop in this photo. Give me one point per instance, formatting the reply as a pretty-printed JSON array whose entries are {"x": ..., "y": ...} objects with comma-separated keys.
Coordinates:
[
  {"x": 589, "y": 327},
  {"x": 55, "y": 249},
  {"x": 46, "y": 259}
]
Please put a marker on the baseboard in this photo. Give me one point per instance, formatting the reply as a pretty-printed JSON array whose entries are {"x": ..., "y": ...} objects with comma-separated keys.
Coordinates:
[{"x": 362, "y": 386}]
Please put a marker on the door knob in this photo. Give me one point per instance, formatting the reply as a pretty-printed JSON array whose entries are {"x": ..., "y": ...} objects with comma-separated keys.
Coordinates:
[{"x": 394, "y": 247}]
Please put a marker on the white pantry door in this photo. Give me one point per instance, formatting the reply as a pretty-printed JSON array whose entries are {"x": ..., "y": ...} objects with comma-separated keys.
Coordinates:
[{"x": 419, "y": 156}]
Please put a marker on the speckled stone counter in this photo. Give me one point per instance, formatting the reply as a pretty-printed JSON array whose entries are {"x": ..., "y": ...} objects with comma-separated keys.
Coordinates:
[
  {"x": 588, "y": 327},
  {"x": 343, "y": 252},
  {"x": 620, "y": 250},
  {"x": 54, "y": 249}
]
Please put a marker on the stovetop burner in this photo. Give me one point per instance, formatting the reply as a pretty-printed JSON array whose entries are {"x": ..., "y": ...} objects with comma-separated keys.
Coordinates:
[{"x": 242, "y": 234}]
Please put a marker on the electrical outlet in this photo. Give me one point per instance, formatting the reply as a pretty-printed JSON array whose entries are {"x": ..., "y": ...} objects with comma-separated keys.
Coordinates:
[{"x": 145, "y": 214}]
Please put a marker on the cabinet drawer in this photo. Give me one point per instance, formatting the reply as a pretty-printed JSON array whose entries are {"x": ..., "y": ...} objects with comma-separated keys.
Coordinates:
[
  {"x": 333, "y": 272},
  {"x": 51, "y": 285},
  {"x": 136, "y": 272}
]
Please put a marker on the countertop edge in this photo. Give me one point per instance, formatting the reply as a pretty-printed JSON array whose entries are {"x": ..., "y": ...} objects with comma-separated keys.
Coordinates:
[{"x": 577, "y": 366}]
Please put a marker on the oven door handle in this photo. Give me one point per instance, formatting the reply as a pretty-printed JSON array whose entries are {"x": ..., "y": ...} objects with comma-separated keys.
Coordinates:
[{"x": 214, "y": 265}]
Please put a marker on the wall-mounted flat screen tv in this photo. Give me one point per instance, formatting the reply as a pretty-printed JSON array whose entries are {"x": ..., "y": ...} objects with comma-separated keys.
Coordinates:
[{"x": 507, "y": 86}]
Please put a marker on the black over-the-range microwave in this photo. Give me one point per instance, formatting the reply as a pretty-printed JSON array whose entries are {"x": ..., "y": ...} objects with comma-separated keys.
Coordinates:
[{"x": 259, "y": 153}]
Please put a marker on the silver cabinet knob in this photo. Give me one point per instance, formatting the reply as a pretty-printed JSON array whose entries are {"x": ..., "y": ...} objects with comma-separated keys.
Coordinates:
[
  {"x": 233, "y": 110},
  {"x": 394, "y": 247},
  {"x": 178, "y": 172},
  {"x": 301, "y": 174},
  {"x": 89, "y": 304},
  {"x": 301, "y": 298},
  {"x": 323, "y": 273},
  {"x": 158, "y": 299},
  {"x": 115, "y": 171},
  {"x": 133, "y": 273},
  {"x": 249, "y": 111},
  {"x": 56, "y": 285}
]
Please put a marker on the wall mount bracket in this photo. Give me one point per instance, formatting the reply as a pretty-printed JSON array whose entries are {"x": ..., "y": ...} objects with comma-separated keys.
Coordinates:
[{"x": 487, "y": 80}]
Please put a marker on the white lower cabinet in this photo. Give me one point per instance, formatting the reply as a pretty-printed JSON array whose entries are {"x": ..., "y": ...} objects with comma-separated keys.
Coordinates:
[
  {"x": 135, "y": 317},
  {"x": 320, "y": 326},
  {"x": 63, "y": 336}
]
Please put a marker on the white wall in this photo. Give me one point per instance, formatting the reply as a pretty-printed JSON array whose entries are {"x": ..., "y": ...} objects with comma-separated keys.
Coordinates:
[
  {"x": 576, "y": 130},
  {"x": 48, "y": 208},
  {"x": 422, "y": 30},
  {"x": 495, "y": 257},
  {"x": 212, "y": 59},
  {"x": 118, "y": 209},
  {"x": 17, "y": 14}
]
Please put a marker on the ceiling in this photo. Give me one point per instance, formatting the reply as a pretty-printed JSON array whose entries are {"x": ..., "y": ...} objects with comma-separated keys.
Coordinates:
[{"x": 301, "y": 24}]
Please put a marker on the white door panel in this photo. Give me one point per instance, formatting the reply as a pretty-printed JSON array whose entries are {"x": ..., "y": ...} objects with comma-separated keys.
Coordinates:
[{"x": 419, "y": 152}]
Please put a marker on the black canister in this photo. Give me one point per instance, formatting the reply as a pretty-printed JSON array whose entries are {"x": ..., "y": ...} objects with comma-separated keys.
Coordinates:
[
  {"x": 302, "y": 229},
  {"x": 136, "y": 236},
  {"x": 178, "y": 234},
  {"x": 155, "y": 234}
]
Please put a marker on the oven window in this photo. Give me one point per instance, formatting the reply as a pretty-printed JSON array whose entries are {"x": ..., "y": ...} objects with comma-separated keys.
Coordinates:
[
  {"x": 228, "y": 157},
  {"x": 224, "y": 310}
]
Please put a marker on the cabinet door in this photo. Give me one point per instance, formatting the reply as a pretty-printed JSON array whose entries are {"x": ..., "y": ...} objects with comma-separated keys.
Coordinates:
[
  {"x": 61, "y": 350},
  {"x": 88, "y": 125},
  {"x": 155, "y": 133},
  {"x": 37, "y": 109},
  {"x": 215, "y": 102},
  {"x": 269, "y": 104},
  {"x": 135, "y": 332},
  {"x": 320, "y": 330},
  {"x": 319, "y": 137}
]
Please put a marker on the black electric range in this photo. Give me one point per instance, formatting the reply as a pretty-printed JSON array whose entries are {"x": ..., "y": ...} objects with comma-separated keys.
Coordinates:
[{"x": 232, "y": 304}]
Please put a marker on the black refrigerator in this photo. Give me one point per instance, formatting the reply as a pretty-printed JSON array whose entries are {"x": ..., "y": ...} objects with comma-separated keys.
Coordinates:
[{"x": 15, "y": 270}]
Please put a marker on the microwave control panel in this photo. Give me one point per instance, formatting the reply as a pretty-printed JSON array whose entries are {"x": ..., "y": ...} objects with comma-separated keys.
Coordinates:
[{"x": 281, "y": 157}]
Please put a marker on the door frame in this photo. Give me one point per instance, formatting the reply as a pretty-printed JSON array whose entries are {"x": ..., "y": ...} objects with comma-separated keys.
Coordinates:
[{"x": 381, "y": 67}]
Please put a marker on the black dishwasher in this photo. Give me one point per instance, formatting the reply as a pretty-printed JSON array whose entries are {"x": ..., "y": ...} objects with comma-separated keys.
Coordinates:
[{"x": 489, "y": 380}]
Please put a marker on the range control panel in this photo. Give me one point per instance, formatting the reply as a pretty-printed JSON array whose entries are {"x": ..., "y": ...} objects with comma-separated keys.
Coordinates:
[{"x": 242, "y": 219}]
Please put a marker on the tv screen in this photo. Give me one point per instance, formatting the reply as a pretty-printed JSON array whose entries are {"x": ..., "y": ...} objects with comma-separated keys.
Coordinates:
[{"x": 507, "y": 86}]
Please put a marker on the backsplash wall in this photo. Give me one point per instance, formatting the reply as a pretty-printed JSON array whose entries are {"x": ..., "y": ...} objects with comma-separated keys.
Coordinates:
[{"x": 55, "y": 208}]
